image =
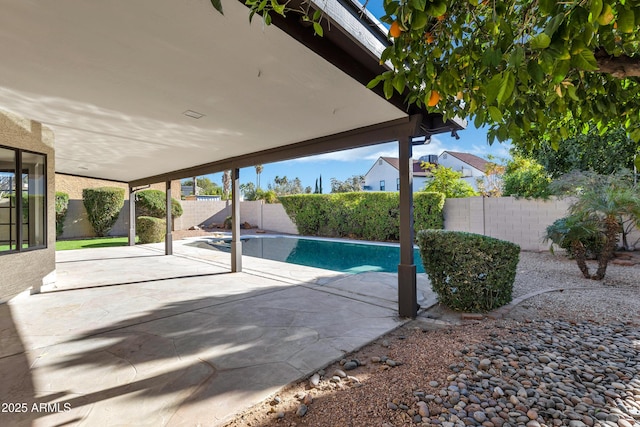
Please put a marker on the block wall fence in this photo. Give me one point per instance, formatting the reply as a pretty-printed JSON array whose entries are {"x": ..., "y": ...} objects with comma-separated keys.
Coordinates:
[
  {"x": 76, "y": 223},
  {"x": 519, "y": 221}
]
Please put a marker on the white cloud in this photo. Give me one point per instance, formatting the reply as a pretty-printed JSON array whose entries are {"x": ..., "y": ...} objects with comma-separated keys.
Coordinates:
[{"x": 373, "y": 152}]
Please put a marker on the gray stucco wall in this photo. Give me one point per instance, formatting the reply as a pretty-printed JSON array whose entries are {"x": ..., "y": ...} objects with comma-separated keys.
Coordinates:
[{"x": 24, "y": 270}]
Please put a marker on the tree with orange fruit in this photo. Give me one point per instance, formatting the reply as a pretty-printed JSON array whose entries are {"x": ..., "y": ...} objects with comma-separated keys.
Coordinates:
[{"x": 533, "y": 71}]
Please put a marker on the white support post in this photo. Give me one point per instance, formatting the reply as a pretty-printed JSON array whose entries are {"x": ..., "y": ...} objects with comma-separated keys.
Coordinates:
[{"x": 168, "y": 238}]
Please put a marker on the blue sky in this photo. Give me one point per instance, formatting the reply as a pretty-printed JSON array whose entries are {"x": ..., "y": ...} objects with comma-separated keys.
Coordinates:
[{"x": 344, "y": 164}]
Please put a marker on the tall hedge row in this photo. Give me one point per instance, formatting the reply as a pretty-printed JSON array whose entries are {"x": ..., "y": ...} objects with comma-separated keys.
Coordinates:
[
  {"x": 154, "y": 203},
  {"x": 62, "y": 204},
  {"x": 362, "y": 215},
  {"x": 103, "y": 205}
]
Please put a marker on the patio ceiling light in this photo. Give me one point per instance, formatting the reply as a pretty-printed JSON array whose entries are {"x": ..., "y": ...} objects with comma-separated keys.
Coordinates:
[{"x": 193, "y": 114}]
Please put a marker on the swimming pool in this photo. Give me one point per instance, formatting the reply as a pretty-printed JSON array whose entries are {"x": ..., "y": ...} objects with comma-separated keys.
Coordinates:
[{"x": 343, "y": 256}]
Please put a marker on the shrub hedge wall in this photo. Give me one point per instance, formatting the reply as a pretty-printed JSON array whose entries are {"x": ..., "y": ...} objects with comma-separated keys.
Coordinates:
[
  {"x": 361, "y": 215},
  {"x": 62, "y": 204},
  {"x": 154, "y": 203},
  {"x": 150, "y": 229},
  {"x": 103, "y": 205},
  {"x": 469, "y": 272}
]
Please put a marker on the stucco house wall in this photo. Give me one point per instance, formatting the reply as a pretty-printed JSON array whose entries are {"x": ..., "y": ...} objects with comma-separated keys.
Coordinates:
[
  {"x": 23, "y": 270},
  {"x": 381, "y": 170}
]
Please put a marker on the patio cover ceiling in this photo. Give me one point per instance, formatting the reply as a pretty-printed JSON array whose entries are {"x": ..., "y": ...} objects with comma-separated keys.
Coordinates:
[{"x": 113, "y": 79}]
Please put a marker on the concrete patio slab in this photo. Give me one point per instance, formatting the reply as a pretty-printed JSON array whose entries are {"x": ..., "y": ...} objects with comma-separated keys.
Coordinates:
[{"x": 128, "y": 336}]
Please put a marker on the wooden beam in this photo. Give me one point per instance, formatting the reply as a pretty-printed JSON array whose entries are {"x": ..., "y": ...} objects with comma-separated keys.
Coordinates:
[
  {"x": 362, "y": 137},
  {"x": 407, "y": 292}
]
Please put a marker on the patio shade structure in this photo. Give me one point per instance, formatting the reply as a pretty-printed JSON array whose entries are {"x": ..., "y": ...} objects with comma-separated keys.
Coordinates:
[{"x": 154, "y": 90}]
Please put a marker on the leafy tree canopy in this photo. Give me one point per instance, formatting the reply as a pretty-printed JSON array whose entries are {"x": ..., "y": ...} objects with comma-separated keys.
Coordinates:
[
  {"x": 446, "y": 181},
  {"x": 603, "y": 154},
  {"x": 282, "y": 186},
  {"x": 524, "y": 177},
  {"x": 353, "y": 183},
  {"x": 533, "y": 71},
  {"x": 205, "y": 186}
]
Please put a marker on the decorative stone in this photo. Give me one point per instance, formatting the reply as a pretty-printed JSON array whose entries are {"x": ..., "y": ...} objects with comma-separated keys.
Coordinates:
[
  {"x": 351, "y": 365},
  {"x": 314, "y": 380},
  {"x": 339, "y": 373},
  {"x": 302, "y": 410}
]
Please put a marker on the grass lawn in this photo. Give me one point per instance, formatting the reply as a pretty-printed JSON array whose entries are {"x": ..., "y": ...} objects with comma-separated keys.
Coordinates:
[{"x": 97, "y": 242}]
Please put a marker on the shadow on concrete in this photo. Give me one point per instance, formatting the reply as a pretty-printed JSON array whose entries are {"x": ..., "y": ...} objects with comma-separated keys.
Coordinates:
[
  {"x": 138, "y": 282},
  {"x": 109, "y": 258},
  {"x": 199, "y": 360},
  {"x": 17, "y": 392}
]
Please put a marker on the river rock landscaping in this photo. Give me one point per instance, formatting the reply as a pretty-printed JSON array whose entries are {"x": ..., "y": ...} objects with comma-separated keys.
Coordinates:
[{"x": 567, "y": 357}]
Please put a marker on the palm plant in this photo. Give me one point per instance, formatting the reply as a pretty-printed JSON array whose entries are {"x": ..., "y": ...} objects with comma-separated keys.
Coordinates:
[
  {"x": 609, "y": 205},
  {"x": 579, "y": 235},
  {"x": 259, "y": 169},
  {"x": 226, "y": 184}
]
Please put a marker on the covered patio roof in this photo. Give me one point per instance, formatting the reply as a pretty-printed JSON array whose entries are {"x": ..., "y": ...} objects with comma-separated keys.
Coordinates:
[
  {"x": 119, "y": 82},
  {"x": 155, "y": 90}
]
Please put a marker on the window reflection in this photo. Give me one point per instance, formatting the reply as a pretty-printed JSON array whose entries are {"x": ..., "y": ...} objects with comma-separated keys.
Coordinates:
[
  {"x": 23, "y": 205},
  {"x": 33, "y": 200},
  {"x": 8, "y": 232}
]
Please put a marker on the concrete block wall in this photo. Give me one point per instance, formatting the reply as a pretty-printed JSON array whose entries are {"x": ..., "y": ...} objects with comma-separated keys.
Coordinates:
[
  {"x": 76, "y": 223},
  {"x": 251, "y": 212},
  {"x": 522, "y": 221},
  {"x": 202, "y": 212},
  {"x": 516, "y": 220},
  {"x": 270, "y": 217},
  {"x": 275, "y": 218},
  {"x": 462, "y": 215}
]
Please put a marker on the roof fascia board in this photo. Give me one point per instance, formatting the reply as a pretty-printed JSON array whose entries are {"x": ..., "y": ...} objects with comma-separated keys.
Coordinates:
[
  {"x": 362, "y": 137},
  {"x": 91, "y": 177}
]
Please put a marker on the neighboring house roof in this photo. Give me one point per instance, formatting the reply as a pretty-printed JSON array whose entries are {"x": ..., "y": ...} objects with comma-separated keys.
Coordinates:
[
  {"x": 473, "y": 161},
  {"x": 393, "y": 161}
]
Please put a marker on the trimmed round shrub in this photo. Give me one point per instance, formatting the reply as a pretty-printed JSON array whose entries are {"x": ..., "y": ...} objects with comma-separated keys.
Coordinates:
[
  {"x": 154, "y": 203},
  {"x": 103, "y": 205},
  {"x": 150, "y": 229},
  {"x": 62, "y": 204},
  {"x": 469, "y": 272}
]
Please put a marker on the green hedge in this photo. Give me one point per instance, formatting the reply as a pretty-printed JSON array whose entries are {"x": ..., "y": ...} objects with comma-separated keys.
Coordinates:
[
  {"x": 361, "y": 215},
  {"x": 469, "y": 272},
  {"x": 150, "y": 229},
  {"x": 154, "y": 203},
  {"x": 62, "y": 204},
  {"x": 103, "y": 205}
]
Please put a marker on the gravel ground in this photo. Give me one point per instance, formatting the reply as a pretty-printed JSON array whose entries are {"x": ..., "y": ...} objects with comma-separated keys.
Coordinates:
[{"x": 566, "y": 357}]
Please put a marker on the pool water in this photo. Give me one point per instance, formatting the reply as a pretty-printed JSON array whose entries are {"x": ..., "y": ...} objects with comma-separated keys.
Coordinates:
[{"x": 346, "y": 257}]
